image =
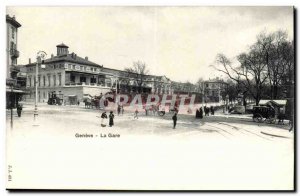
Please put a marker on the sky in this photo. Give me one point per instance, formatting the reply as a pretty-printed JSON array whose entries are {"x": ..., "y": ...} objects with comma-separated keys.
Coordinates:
[{"x": 178, "y": 42}]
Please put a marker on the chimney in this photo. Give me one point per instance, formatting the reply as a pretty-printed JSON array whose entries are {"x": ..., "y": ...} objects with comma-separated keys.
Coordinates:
[
  {"x": 75, "y": 55},
  {"x": 52, "y": 56},
  {"x": 86, "y": 58},
  {"x": 29, "y": 60},
  {"x": 14, "y": 17}
]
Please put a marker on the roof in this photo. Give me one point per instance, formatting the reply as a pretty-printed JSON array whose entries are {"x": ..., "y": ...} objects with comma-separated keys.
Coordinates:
[
  {"x": 62, "y": 45},
  {"x": 68, "y": 58},
  {"x": 277, "y": 102},
  {"x": 12, "y": 21}
]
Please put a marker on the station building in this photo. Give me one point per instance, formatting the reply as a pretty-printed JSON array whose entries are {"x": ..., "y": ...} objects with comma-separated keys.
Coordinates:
[{"x": 73, "y": 77}]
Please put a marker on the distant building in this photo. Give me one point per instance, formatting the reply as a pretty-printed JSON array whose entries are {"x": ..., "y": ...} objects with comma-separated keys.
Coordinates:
[
  {"x": 215, "y": 89},
  {"x": 14, "y": 79},
  {"x": 73, "y": 77}
]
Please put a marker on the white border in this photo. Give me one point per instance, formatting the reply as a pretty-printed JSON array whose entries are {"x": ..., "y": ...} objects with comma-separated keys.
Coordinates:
[{"x": 111, "y": 3}]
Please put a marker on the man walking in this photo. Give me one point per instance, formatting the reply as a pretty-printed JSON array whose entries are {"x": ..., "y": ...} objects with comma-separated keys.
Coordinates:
[
  {"x": 174, "y": 118},
  {"x": 19, "y": 110},
  {"x": 136, "y": 114}
]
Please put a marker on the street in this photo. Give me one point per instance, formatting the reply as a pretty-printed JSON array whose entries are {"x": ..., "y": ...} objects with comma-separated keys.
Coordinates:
[{"x": 217, "y": 152}]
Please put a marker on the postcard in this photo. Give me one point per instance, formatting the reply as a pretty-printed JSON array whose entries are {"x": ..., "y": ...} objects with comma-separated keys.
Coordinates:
[{"x": 150, "y": 98}]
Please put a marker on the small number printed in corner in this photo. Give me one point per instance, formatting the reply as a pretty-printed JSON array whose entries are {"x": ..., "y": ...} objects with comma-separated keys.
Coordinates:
[{"x": 9, "y": 173}]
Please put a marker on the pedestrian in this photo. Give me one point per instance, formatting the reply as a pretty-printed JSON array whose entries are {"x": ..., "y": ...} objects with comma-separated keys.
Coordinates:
[
  {"x": 119, "y": 109},
  {"x": 212, "y": 110},
  {"x": 103, "y": 117},
  {"x": 174, "y": 118},
  {"x": 19, "y": 110},
  {"x": 206, "y": 111},
  {"x": 122, "y": 109},
  {"x": 78, "y": 103},
  {"x": 136, "y": 114},
  {"x": 111, "y": 118},
  {"x": 201, "y": 113},
  {"x": 197, "y": 113}
]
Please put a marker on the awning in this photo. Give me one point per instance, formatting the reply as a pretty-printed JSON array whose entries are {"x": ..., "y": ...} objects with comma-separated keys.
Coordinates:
[{"x": 71, "y": 95}]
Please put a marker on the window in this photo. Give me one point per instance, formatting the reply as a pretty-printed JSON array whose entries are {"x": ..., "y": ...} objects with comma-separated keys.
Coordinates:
[
  {"x": 34, "y": 81},
  {"x": 54, "y": 80},
  {"x": 72, "y": 78},
  {"x": 101, "y": 80},
  {"x": 82, "y": 79},
  {"x": 12, "y": 32},
  {"x": 59, "y": 79},
  {"x": 44, "y": 81},
  {"x": 44, "y": 95},
  {"x": 12, "y": 46},
  {"x": 39, "y": 80},
  {"x": 29, "y": 81},
  {"x": 93, "y": 80},
  {"x": 49, "y": 80}
]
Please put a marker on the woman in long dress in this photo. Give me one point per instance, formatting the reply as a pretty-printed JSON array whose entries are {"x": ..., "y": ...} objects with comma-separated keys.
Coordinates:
[
  {"x": 103, "y": 117},
  {"x": 111, "y": 119}
]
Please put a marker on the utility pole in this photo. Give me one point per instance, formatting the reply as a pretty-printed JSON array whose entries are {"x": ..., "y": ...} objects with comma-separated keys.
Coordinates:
[{"x": 203, "y": 96}]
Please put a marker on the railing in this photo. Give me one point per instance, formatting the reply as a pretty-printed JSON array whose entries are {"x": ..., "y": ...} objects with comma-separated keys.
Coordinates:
[{"x": 84, "y": 84}]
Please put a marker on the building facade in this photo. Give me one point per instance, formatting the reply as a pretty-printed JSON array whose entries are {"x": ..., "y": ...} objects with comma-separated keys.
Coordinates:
[
  {"x": 73, "y": 77},
  {"x": 215, "y": 90},
  {"x": 14, "y": 78}
]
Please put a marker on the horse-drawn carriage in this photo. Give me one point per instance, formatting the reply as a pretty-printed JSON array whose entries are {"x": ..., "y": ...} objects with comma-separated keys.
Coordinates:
[
  {"x": 55, "y": 99},
  {"x": 94, "y": 102},
  {"x": 264, "y": 114},
  {"x": 268, "y": 114}
]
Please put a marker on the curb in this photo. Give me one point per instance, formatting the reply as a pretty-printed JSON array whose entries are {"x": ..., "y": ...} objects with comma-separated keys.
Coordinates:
[{"x": 274, "y": 135}]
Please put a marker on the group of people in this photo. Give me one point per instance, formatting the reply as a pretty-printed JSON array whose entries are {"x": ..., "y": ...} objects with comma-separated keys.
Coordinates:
[
  {"x": 199, "y": 112},
  {"x": 111, "y": 119}
]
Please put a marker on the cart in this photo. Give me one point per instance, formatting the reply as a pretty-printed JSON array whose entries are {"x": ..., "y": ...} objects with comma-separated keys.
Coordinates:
[{"x": 264, "y": 114}]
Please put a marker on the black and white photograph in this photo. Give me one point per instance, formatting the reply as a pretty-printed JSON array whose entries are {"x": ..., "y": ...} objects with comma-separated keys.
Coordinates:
[{"x": 150, "y": 98}]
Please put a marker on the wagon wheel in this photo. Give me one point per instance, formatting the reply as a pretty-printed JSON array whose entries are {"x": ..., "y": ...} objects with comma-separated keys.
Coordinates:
[{"x": 258, "y": 118}]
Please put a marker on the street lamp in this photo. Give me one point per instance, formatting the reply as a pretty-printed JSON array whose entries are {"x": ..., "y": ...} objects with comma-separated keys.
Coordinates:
[
  {"x": 203, "y": 96},
  {"x": 41, "y": 55}
]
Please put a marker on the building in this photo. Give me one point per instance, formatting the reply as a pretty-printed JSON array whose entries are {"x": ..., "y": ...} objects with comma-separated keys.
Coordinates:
[
  {"x": 215, "y": 90},
  {"x": 15, "y": 80},
  {"x": 72, "y": 78}
]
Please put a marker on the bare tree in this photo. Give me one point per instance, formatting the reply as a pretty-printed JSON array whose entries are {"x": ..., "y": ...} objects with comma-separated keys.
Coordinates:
[
  {"x": 199, "y": 84},
  {"x": 224, "y": 65},
  {"x": 138, "y": 71}
]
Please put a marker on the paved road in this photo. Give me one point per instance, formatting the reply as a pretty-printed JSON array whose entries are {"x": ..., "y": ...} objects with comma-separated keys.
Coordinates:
[{"x": 214, "y": 153}]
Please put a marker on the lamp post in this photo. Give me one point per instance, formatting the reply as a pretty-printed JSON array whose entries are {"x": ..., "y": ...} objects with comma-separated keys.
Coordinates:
[
  {"x": 41, "y": 55},
  {"x": 203, "y": 96}
]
